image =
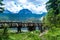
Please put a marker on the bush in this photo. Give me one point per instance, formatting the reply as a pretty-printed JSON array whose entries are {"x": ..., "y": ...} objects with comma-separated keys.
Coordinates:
[
  {"x": 53, "y": 34},
  {"x": 4, "y": 35}
]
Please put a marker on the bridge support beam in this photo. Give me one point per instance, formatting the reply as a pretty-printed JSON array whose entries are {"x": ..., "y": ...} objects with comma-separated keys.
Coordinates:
[
  {"x": 40, "y": 27},
  {"x": 19, "y": 28},
  {"x": 31, "y": 27}
]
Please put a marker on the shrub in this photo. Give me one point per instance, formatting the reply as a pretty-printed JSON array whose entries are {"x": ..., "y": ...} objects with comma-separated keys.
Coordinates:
[{"x": 52, "y": 34}]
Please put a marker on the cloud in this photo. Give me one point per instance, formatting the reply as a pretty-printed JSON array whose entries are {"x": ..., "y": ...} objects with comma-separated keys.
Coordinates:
[
  {"x": 15, "y": 6},
  {"x": 12, "y": 7},
  {"x": 21, "y": 1}
]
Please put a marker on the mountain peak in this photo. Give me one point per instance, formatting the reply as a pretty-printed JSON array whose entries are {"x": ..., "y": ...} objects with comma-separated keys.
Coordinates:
[{"x": 25, "y": 11}]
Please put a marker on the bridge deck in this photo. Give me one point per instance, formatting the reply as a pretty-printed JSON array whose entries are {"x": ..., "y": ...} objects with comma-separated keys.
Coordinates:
[{"x": 19, "y": 25}]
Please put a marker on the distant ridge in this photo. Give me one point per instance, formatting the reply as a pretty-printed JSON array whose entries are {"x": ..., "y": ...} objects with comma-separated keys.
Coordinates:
[{"x": 22, "y": 15}]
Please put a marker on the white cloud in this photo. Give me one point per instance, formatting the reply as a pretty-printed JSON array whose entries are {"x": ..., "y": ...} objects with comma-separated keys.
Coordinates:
[
  {"x": 16, "y": 6},
  {"x": 12, "y": 7},
  {"x": 22, "y": 1}
]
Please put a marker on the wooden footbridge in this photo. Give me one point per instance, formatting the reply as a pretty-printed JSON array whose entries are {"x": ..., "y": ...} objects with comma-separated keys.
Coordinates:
[{"x": 19, "y": 25}]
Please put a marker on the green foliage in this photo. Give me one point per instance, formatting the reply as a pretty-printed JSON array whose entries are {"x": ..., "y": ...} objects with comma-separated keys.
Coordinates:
[
  {"x": 52, "y": 17},
  {"x": 54, "y": 4},
  {"x": 4, "y": 35},
  {"x": 58, "y": 20},
  {"x": 5, "y": 28},
  {"x": 49, "y": 18},
  {"x": 34, "y": 35},
  {"x": 1, "y": 8},
  {"x": 5, "y": 32},
  {"x": 52, "y": 34}
]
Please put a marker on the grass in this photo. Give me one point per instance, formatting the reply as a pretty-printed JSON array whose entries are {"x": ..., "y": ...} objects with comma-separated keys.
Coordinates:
[
  {"x": 25, "y": 36},
  {"x": 53, "y": 34},
  {"x": 34, "y": 35}
]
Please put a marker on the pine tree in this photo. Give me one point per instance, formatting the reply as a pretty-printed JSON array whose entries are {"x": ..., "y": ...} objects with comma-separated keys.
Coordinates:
[
  {"x": 1, "y": 8},
  {"x": 53, "y": 4},
  {"x": 53, "y": 8}
]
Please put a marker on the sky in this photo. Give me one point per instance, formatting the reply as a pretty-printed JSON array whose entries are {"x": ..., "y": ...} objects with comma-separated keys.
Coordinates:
[{"x": 36, "y": 6}]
